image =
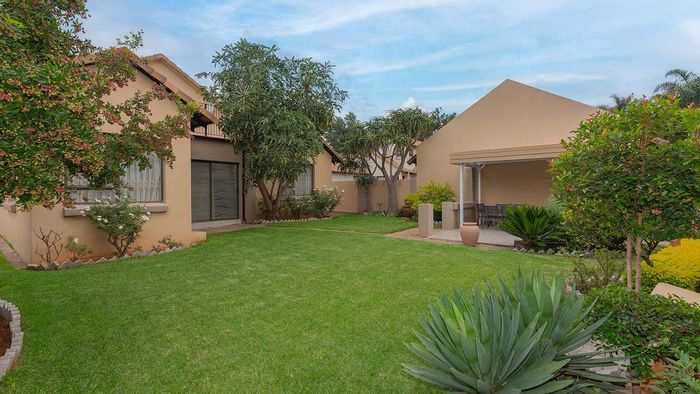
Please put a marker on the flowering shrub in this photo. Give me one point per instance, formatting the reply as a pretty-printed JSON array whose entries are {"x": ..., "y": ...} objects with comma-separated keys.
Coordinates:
[
  {"x": 78, "y": 250},
  {"x": 324, "y": 201},
  {"x": 319, "y": 204},
  {"x": 677, "y": 265},
  {"x": 120, "y": 220}
]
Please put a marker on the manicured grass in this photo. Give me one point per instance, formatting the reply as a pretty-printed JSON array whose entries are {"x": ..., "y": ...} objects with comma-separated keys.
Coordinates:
[{"x": 276, "y": 309}]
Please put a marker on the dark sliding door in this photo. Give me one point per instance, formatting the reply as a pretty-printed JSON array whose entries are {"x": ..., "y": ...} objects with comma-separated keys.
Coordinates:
[{"x": 214, "y": 191}]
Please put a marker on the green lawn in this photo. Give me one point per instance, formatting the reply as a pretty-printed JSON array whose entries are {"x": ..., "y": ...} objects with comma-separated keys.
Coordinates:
[{"x": 284, "y": 308}]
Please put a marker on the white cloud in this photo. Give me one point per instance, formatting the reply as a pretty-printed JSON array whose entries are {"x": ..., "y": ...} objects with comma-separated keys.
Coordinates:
[
  {"x": 306, "y": 18},
  {"x": 527, "y": 79},
  {"x": 363, "y": 67},
  {"x": 410, "y": 102}
]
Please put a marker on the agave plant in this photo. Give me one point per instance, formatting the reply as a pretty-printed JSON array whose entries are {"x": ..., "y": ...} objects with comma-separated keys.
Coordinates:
[
  {"x": 510, "y": 339},
  {"x": 537, "y": 227}
]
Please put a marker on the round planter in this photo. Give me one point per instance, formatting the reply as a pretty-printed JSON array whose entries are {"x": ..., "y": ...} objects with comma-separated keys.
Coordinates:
[{"x": 469, "y": 232}]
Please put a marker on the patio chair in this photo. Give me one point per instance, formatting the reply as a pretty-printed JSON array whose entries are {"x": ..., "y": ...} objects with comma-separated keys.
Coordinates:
[
  {"x": 501, "y": 212},
  {"x": 480, "y": 218}
]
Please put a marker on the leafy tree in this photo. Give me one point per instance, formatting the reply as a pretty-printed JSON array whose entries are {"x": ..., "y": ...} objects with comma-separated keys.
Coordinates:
[
  {"x": 391, "y": 139},
  {"x": 349, "y": 137},
  {"x": 619, "y": 103},
  {"x": 441, "y": 118},
  {"x": 685, "y": 85},
  {"x": 274, "y": 110},
  {"x": 53, "y": 115},
  {"x": 637, "y": 170}
]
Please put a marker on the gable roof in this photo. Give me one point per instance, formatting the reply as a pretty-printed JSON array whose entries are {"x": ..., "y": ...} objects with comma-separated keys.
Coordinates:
[
  {"x": 512, "y": 115},
  {"x": 201, "y": 118}
]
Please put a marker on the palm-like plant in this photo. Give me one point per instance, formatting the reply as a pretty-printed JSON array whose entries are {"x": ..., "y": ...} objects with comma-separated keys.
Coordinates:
[
  {"x": 510, "y": 339},
  {"x": 685, "y": 85},
  {"x": 537, "y": 227}
]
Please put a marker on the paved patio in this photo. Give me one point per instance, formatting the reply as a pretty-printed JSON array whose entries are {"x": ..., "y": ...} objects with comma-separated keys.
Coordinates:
[{"x": 488, "y": 236}]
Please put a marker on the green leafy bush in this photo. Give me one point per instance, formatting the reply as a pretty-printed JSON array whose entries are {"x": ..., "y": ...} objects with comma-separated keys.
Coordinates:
[
  {"x": 650, "y": 326},
  {"x": 78, "y": 250},
  {"x": 607, "y": 268},
  {"x": 121, "y": 220},
  {"x": 510, "y": 338},
  {"x": 681, "y": 376},
  {"x": 431, "y": 193},
  {"x": 537, "y": 227},
  {"x": 319, "y": 204},
  {"x": 324, "y": 201}
]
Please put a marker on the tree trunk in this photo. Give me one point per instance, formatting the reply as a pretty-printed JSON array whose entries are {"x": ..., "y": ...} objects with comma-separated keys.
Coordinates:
[
  {"x": 638, "y": 265},
  {"x": 267, "y": 199},
  {"x": 368, "y": 197},
  {"x": 392, "y": 206},
  {"x": 628, "y": 261},
  {"x": 638, "y": 257}
]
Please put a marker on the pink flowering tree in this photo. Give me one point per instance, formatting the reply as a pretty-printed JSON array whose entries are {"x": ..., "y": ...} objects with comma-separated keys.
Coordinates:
[
  {"x": 633, "y": 172},
  {"x": 53, "y": 113}
]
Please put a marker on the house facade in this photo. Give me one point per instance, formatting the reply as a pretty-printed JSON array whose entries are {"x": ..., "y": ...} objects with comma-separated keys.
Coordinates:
[
  {"x": 203, "y": 188},
  {"x": 502, "y": 146}
]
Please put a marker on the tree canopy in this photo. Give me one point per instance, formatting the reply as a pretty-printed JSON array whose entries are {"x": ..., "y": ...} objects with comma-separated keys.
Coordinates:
[
  {"x": 274, "y": 111},
  {"x": 53, "y": 115},
  {"x": 636, "y": 171},
  {"x": 684, "y": 84}
]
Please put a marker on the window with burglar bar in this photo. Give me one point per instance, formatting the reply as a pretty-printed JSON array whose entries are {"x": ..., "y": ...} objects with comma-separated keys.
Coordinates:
[
  {"x": 303, "y": 185},
  {"x": 142, "y": 185}
]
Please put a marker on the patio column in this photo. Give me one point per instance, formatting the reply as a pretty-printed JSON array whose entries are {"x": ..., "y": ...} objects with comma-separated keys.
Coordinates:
[
  {"x": 478, "y": 182},
  {"x": 461, "y": 195}
]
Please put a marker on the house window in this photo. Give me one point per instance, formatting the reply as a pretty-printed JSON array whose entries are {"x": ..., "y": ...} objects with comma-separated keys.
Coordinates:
[
  {"x": 303, "y": 185},
  {"x": 142, "y": 185}
]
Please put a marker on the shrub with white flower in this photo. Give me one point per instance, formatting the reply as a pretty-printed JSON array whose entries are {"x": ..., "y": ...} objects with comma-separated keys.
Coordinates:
[{"x": 120, "y": 220}]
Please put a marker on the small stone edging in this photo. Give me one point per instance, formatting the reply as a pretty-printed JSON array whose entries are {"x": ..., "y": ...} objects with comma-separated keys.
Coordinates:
[
  {"x": 79, "y": 263},
  {"x": 552, "y": 252},
  {"x": 10, "y": 313},
  {"x": 292, "y": 220}
]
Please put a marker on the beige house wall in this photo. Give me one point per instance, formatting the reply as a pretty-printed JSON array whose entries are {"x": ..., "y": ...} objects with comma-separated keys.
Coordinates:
[
  {"x": 176, "y": 221},
  {"x": 511, "y": 115},
  {"x": 15, "y": 227},
  {"x": 516, "y": 183}
]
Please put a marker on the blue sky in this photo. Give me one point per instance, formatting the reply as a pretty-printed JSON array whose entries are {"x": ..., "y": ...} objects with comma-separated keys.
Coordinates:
[{"x": 430, "y": 52}]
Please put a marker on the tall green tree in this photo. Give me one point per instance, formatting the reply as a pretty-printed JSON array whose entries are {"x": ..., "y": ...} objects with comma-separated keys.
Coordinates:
[
  {"x": 636, "y": 170},
  {"x": 274, "y": 111},
  {"x": 349, "y": 137},
  {"x": 53, "y": 115},
  {"x": 684, "y": 84},
  {"x": 392, "y": 139}
]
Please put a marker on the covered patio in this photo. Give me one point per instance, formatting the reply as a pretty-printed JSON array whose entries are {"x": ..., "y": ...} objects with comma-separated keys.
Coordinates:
[{"x": 491, "y": 179}]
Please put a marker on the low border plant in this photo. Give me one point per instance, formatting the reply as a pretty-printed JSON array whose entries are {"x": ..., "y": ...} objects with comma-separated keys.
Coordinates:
[{"x": 650, "y": 327}]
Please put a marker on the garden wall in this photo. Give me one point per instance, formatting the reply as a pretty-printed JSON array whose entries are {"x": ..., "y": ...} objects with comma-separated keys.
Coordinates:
[
  {"x": 15, "y": 228},
  {"x": 354, "y": 200}
]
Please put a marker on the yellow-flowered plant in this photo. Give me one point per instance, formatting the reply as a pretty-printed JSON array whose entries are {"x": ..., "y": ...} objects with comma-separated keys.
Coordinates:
[{"x": 677, "y": 265}]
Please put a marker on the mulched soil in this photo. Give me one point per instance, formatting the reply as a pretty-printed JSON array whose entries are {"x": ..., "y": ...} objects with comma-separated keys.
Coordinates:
[{"x": 5, "y": 336}]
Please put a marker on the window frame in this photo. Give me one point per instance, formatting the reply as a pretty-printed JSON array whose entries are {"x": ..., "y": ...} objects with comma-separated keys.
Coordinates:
[{"x": 73, "y": 187}]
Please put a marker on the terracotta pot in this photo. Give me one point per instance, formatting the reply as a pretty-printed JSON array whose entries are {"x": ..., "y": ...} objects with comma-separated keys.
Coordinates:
[{"x": 469, "y": 232}]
